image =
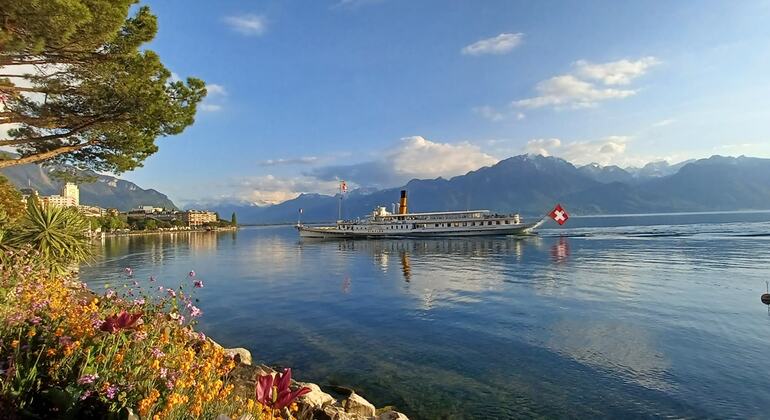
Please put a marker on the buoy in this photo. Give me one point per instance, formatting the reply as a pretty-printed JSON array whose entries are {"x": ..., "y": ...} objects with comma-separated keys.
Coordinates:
[{"x": 766, "y": 296}]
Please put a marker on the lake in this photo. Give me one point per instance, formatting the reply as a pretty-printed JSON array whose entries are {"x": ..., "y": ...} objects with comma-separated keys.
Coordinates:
[{"x": 627, "y": 316}]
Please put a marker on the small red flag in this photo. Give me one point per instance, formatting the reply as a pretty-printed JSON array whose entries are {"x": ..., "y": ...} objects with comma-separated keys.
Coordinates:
[{"x": 559, "y": 215}]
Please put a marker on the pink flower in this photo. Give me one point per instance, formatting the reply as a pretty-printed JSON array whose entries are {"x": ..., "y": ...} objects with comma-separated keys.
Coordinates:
[
  {"x": 192, "y": 273},
  {"x": 274, "y": 392},
  {"x": 129, "y": 272},
  {"x": 198, "y": 284},
  {"x": 140, "y": 335},
  {"x": 195, "y": 311},
  {"x": 156, "y": 353},
  {"x": 111, "y": 391},
  {"x": 139, "y": 302},
  {"x": 121, "y": 321},
  {"x": 171, "y": 292},
  {"x": 87, "y": 379}
]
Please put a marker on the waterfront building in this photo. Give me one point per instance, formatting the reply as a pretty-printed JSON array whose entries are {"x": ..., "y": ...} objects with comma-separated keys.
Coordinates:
[
  {"x": 195, "y": 218},
  {"x": 71, "y": 192}
]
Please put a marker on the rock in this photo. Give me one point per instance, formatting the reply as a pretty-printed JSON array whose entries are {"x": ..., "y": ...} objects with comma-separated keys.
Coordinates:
[
  {"x": 333, "y": 412},
  {"x": 357, "y": 405},
  {"x": 315, "y": 398},
  {"x": 240, "y": 354},
  {"x": 392, "y": 415},
  {"x": 130, "y": 415},
  {"x": 223, "y": 417}
]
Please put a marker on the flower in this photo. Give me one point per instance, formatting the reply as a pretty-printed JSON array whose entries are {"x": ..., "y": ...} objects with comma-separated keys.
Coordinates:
[
  {"x": 198, "y": 284},
  {"x": 192, "y": 273},
  {"x": 110, "y": 294},
  {"x": 111, "y": 391},
  {"x": 85, "y": 395},
  {"x": 156, "y": 353},
  {"x": 140, "y": 335},
  {"x": 129, "y": 272},
  {"x": 195, "y": 312},
  {"x": 171, "y": 292},
  {"x": 121, "y": 321},
  {"x": 274, "y": 392},
  {"x": 139, "y": 302},
  {"x": 87, "y": 379}
]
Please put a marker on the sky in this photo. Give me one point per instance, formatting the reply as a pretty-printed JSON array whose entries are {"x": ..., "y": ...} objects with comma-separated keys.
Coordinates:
[{"x": 376, "y": 92}]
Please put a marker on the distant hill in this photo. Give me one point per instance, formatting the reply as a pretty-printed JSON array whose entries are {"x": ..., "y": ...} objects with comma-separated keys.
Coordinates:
[
  {"x": 106, "y": 191},
  {"x": 532, "y": 184}
]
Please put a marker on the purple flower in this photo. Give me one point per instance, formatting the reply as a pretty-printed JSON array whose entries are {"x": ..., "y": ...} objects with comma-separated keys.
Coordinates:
[
  {"x": 87, "y": 379},
  {"x": 156, "y": 353},
  {"x": 201, "y": 336},
  {"x": 129, "y": 272},
  {"x": 111, "y": 391},
  {"x": 140, "y": 335},
  {"x": 169, "y": 384},
  {"x": 139, "y": 302},
  {"x": 198, "y": 284},
  {"x": 160, "y": 288},
  {"x": 192, "y": 273},
  {"x": 163, "y": 373},
  {"x": 65, "y": 340},
  {"x": 195, "y": 311},
  {"x": 171, "y": 292},
  {"x": 35, "y": 320},
  {"x": 85, "y": 395}
]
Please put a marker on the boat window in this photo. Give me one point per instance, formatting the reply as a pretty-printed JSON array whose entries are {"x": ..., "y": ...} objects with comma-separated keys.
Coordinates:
[{"x": 498, "y": 222}]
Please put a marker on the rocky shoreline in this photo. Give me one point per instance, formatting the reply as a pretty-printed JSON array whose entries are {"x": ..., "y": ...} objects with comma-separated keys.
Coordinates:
[{"x": 317, "y": 404}]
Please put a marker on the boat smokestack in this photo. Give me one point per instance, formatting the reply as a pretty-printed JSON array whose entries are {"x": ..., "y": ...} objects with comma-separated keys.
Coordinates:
[{"x": 402, "y": 209}]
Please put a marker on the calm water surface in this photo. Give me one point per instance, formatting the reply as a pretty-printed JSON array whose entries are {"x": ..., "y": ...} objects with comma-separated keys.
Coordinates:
[{"x": 613, "y": 317}]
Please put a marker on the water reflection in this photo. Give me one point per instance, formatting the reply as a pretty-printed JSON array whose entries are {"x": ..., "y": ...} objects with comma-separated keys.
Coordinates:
[{"x": 617, "y": 322}]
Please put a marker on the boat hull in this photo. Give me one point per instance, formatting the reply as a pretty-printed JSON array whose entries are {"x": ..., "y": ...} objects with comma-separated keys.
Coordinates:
[{"x": 331, "y": 232}]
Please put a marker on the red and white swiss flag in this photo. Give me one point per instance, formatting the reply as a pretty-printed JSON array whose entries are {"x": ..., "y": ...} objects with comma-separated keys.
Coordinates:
[{"x": 559, "y": 215}]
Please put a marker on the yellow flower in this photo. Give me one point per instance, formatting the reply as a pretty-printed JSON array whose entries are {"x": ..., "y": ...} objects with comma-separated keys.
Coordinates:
[{"x": 32, "y": 333}]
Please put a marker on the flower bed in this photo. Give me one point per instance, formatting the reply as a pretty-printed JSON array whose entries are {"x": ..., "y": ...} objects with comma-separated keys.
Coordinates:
[{"x": 65, "y": 351}]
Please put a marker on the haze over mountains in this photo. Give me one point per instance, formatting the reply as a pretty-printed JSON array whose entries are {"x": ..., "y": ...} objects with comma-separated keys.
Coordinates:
[
  {"x": 532, "y": 184},
  {"x": 106, "y": 191}
]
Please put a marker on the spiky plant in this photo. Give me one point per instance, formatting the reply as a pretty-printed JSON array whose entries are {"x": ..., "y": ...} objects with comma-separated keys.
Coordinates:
[{"x": 58, "y": 233}]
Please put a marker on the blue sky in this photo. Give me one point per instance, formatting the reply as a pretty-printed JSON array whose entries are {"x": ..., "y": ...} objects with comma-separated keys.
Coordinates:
[{"x": 380, "y": 91}]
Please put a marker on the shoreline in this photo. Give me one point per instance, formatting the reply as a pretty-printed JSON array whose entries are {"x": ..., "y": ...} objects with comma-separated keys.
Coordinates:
[{"x": 101, "y": 235}]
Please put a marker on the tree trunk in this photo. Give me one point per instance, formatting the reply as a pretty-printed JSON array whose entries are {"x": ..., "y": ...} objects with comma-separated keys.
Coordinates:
[{"x": 41, "y": 156}]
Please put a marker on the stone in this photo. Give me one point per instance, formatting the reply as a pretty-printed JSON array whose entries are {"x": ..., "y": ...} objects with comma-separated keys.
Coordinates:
[
  {"x": 240, "y": 354},
  {"x": 392, "y": 415},
  {"x": 130, "y": 415},
  {"x": 333, "y": 412},
  {"x": 357, "y": 405},
  {"x": 315, "y": 398}
]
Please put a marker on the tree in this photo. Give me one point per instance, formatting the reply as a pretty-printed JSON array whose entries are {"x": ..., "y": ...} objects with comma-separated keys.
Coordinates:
[
  {"x": 234, "y": 220},
  {"x": 96, "y": 99},
  {"x": 10, "y": 200}
]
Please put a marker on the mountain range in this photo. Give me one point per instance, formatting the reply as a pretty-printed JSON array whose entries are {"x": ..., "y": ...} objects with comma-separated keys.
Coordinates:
[
  {"x": 532, "y": 184},
  {"x": 105, "y": 191}
]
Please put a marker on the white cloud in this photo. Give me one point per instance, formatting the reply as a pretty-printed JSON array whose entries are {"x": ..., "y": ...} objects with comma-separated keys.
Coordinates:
[
  {"x": 215, "y": 89},
  {"x": 588, "y": 85},
  {"x": 569, "y": 91},
  {"x": 269, "y": 189},
  {"x": 423, "y": 158},
  {"x": 663, "y": 123},
  {"x": 492, "y": 114},
  {"x": 304, "y": 160},
  {"x": 489, "y": 113},
  {"x": 607, "y": 151},
  {"x": 542, "y": 146},
  {"x": 501, "y": 44},
  {"x": 412, "y": 157},
  {"x": 248, "y": 24},
  {"x": 620, "y": 72},
  {"x": 206, "y": 107}
]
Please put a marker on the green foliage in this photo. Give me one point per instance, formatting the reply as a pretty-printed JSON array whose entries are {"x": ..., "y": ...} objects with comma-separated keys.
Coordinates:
[
  {"x": 10, "y": 200},
  {"x": 59, "y": 234},
  {"x": 106, "y": 97},
  {"x": 234, "y": 220},
  {"x": 112, "y": 222}
]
